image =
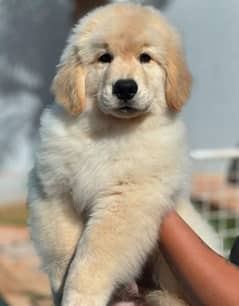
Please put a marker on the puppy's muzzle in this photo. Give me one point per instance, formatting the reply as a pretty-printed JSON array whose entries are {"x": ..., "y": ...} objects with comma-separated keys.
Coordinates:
[{"x": 125, "y": 89}]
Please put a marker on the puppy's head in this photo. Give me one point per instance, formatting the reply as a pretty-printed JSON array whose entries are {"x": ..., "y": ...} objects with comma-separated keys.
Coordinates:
[{"x": 124, "y": 60}]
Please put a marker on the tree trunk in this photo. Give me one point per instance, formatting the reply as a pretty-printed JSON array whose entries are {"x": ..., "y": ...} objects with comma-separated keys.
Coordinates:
[{"x": 81, "y": 7}]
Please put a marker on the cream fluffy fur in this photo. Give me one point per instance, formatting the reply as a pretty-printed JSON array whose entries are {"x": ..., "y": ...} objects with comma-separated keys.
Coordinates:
[{"x": 103, "y": 179}]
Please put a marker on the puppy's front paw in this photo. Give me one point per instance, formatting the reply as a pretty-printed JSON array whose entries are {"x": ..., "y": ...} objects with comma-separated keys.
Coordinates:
[{"x": 73, "y": 297}]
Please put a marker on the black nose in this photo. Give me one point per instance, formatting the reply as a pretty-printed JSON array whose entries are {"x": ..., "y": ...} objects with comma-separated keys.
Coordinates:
[{"x": 125, "y": 89}]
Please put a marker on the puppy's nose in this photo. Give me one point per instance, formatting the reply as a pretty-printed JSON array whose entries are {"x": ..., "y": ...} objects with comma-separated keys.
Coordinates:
[{"x": 125, "y": 89}]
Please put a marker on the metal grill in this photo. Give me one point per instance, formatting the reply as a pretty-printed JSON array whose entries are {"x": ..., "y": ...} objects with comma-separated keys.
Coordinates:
[{"x": 215, "y": 191}]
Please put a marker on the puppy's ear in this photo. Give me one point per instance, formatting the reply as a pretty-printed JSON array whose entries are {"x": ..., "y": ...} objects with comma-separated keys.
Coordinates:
[
  {"x": 69, "y": 86},
  {"x": 178, "y": 79}
]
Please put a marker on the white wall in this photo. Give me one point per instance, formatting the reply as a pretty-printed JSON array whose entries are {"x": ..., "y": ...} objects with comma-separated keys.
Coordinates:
[
  {"x": 32, "y": 35},
  {"x": 210, "y": 30}
]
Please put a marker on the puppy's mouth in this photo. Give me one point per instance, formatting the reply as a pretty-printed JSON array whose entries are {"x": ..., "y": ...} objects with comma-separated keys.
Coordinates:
[
  {"x": 128, "y": 111},
  {"x": 123, "y": 109}
]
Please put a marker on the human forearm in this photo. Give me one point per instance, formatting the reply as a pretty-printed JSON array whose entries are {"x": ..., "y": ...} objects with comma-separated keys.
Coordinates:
[{"x": 209, "y": 278}]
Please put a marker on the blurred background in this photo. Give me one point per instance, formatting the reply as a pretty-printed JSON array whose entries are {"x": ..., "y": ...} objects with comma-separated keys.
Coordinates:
[{"x": 32, "y": 36}]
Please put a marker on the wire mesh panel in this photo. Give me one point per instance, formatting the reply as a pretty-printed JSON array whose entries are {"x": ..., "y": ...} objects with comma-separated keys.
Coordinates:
[{"x": 215, "y": 191}]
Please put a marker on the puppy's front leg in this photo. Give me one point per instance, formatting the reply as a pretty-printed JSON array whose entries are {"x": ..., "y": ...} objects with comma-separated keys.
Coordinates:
[
  {"x": 111, "y": 251},
  {"x": 55, "y": 230}
]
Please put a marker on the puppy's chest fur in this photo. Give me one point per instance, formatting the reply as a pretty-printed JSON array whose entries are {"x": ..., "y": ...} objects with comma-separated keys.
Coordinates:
[{"x": 71, "y": 161}]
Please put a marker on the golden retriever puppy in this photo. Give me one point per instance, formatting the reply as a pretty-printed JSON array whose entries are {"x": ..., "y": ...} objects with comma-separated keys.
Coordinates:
[{"x": 112, "y": 158}]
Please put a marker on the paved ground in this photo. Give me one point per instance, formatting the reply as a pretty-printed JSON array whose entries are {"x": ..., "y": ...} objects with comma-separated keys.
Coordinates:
[{"x": 21, "y": 281}]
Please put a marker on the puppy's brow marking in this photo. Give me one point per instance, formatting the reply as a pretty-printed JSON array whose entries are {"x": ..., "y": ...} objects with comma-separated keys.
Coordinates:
[{"x": 100, "y": 45}]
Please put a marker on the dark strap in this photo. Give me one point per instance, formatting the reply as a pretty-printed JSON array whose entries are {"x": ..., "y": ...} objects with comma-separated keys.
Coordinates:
[{"x": 234, "y": 255}]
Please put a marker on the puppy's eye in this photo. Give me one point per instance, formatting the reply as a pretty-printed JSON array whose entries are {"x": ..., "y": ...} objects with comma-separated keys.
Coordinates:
[
  {"x": 145, "y": 58},
  {"x": 105, "y": 58}
]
